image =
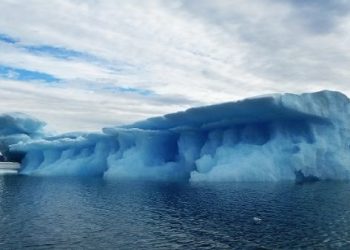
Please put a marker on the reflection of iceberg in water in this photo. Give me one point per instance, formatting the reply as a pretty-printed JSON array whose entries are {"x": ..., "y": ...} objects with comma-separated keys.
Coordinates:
[{"x": 258, "y": 139}]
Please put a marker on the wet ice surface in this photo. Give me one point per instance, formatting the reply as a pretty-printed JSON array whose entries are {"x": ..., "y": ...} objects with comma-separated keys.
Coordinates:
[{"x": 40, "y": 213}]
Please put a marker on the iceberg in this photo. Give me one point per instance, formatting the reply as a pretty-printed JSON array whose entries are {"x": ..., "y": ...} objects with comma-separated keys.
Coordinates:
[
  {"x": 266, "y": 138},
  {"x": 18, "y": 128}
]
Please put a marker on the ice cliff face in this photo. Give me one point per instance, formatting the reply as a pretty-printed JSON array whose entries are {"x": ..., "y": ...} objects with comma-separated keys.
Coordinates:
[
  {"x": 266, "y": 138},
  {"x": 15, "y": 128}
]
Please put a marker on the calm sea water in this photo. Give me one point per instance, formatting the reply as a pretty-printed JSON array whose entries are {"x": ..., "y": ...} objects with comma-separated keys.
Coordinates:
[{"x": 73, "y": 213}]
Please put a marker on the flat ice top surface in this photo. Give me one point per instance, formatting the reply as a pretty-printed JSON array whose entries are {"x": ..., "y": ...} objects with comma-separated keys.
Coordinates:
[{"x": 251, "y": 110}]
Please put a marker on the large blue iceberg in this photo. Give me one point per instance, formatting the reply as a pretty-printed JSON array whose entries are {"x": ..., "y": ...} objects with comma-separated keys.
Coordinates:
[{"x": 267, "y": 138}]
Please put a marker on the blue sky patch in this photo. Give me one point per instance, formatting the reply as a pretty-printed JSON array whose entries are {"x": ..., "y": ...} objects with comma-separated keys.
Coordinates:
[
  {"x": 55, "y": 52},
  {"x": 7, "y": 39},
  {"x": 25, "y": 75},
  {"x": 138, "y": 91},
  {"x": 66, "y": 54}
]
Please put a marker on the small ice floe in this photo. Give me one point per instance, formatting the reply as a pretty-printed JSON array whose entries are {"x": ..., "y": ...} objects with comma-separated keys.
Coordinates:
[{"x": 257, "y": 220}]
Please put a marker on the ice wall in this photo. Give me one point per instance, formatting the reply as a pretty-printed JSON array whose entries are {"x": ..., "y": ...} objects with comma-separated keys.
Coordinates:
[
  {"x": 18, "y": 128},
  {"x": 265, "y": 138}
]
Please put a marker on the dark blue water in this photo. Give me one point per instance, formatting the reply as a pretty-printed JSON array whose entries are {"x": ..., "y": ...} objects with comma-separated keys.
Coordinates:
[{"x": 65, "y": 213}]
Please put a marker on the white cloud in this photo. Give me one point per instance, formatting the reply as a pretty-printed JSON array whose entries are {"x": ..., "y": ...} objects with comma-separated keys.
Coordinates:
[
  {"x": 187, "y": 52},
  {"x": 72, "y": 108}
]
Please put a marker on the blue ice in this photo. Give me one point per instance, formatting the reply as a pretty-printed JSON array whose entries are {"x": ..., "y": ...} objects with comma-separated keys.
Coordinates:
[{"x": 266, "y": 138}]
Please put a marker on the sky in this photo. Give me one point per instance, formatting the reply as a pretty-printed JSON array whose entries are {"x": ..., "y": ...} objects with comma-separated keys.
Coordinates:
[{"x": 81, "y": 65}]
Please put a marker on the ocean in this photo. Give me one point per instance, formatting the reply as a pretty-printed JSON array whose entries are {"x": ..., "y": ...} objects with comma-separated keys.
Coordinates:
[{"x": 93, "y": 213}]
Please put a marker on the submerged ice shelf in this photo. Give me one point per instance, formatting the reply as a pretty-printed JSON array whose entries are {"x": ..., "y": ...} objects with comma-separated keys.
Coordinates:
[{"x": 265, "y": 138}]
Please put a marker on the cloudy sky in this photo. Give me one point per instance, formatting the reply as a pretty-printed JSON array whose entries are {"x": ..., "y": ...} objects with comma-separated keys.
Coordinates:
[{"x": 86, "y": 64}]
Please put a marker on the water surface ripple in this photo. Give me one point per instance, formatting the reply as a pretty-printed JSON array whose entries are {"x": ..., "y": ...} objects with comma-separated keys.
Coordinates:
[{"x": 73, "y": 213}]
